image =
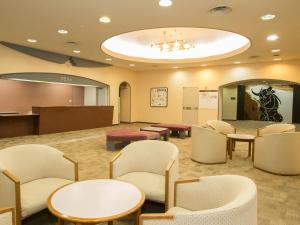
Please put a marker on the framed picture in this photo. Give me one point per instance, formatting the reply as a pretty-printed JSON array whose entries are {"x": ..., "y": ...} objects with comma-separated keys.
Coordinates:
[{"x": 159, "y": 97}]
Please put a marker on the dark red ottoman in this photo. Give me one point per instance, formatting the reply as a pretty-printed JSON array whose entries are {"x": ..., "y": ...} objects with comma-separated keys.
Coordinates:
[
  {"x": 178, "y": 129},
  {"x": 123, "y": 137}
]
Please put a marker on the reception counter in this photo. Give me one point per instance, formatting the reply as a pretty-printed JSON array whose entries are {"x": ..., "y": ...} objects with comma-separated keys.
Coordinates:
[
  {"x": 57, "y": 119},
  {"x": 15, "y": 124}
]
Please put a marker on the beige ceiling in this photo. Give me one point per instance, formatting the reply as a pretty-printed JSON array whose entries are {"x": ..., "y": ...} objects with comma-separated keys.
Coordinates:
[{"x": 40, "y": 20}]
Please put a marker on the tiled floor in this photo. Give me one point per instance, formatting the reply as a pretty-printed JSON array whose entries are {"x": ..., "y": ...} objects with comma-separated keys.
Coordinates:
[{"x": 278, "y": 196}]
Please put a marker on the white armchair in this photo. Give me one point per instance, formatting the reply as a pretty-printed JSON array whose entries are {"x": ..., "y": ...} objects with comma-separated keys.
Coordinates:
[
  {"x": 150, "y": 165},
  {"x": 221, "y": 126},
  {"x": 214, "y": 200},
  {"x": 29, "y": 174},
  {"x": 276, "y": 128},
  {"x": 278, "y": 153},
  {"x": 208, "y": 146},
  {"x": 7, "y": 216}
]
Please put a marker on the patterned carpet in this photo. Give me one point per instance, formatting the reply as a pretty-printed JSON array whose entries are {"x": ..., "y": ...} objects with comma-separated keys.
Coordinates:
[{"x": 278, "y": 196}]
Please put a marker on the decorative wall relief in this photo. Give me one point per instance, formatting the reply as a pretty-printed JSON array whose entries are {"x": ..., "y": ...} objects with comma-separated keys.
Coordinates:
[{"x": 159, "y": 97}]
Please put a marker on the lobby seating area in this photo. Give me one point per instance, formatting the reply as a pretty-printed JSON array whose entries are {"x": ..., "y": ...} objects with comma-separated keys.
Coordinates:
[{"x": 93, "y": 163}]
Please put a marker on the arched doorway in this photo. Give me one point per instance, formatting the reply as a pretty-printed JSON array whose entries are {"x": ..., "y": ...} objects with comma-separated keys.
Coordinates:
[{"x": 124, "y": 103}]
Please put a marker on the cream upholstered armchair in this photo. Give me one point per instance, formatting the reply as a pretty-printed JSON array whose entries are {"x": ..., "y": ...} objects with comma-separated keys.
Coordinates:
[
  {"x": 150, "y": 165},
  {"x": 208, "y": 146},
  {"x": 221, "y": 126},
  {"x": 276, "y": 128},
  {"x": 29, "y": 174},
  {"x": 278, "y": 153},
  {"x": 215, "y": 200},
  {"x": 7, "y": 216}
]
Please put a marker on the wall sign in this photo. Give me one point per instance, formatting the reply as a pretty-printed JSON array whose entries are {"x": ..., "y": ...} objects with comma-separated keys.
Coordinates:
[{"x": 159, "y": 97}]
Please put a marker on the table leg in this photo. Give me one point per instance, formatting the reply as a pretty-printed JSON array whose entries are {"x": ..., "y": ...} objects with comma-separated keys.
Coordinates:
[
  {"x": 182, "y": 134},
  {"x": 110, "y": 222},
  {"x": 137, "y": 219},
  {"x": 189, "y": 133},
  {"x": 230, "y": 148},
  {"x": 60, "y": 221},
  {"x": 249, "y": 148},
  {"x": 252, "y": 151}
]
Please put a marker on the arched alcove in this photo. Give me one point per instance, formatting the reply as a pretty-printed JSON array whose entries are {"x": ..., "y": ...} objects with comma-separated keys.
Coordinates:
[{"x": 124, "y": 102}]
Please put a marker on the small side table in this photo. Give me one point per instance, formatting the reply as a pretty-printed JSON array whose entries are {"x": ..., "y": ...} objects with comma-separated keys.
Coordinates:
[
  {"x": 163, "y": 132},
  {"x": 241, "y": 138}
]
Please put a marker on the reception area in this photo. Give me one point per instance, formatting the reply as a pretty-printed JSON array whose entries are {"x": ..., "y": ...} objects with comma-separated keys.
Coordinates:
[{"x": 149, "y": 112}]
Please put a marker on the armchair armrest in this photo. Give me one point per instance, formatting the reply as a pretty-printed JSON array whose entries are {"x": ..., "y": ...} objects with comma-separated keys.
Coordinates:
[
  {"x": 170, "y": 178},
  {"x": 154, "y": 218},
  {"x": 10, "y": 193},
  {"x": 180, "y": 198},
  {"x": 111, "y": 165},
  {"x": 7, "y": 216},
  {"x": 63, "y": 167}
]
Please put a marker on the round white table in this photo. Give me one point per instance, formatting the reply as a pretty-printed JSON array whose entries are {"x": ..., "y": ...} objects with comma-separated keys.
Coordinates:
[
  {"x": 242, "y": 138},
  {"x": 94, "y": 201}
]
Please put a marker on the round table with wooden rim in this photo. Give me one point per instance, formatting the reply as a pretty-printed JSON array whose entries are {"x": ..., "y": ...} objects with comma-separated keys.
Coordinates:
[
  {"x": 94, "y": 201},
  {"x": 241, "y": 138}
]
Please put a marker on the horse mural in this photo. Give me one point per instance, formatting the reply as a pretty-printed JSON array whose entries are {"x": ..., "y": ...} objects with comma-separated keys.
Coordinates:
[{"x": 269, "y": 103}]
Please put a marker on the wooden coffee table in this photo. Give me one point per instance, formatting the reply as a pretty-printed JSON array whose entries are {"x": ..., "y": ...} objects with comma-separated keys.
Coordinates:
[
  {"x": 241, "y": 138},
  {"x": 94, "y": 201},
  {"x": 163, "y": 132}
]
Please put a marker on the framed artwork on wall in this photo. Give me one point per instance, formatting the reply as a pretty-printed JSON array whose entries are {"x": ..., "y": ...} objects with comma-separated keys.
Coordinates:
[{"x": 159, "y": 97}]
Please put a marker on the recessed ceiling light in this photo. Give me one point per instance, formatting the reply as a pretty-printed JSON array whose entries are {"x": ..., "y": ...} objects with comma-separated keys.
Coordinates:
[
  {"x": 277, "y": 59},
  {"x": 31, "y": 40},
  {"x": 104, "y": 19},
  {"x": 108, "y": 59},
  {"x": 275, "y": 50},
  {"x": 203, "y": 65},
  {"x": 76, "y": 51},
  {"x": 272, "y": 37},
  {"x": 237, "y": 62},
  {"x": 165, "y": 3},
  {"x": 267, "y": 17},
  {"x": 62, "y": 31},
  {"x": 132, "y": 65},
  {"x": 175, "y": 67}
]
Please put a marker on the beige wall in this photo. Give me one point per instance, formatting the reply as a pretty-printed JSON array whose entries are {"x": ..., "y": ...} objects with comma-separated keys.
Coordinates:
[
  {"x": 20, "y": 96},
  {"x": 14, "y": 62},
  {"x": 204, "y": 78},
  {"x": 141, "y": 82}
]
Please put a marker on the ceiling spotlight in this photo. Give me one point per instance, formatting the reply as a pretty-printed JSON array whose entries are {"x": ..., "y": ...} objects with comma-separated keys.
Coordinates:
[
  {"x": 277, "y": 59},
  {"x": 104, "y": 19},
  {"x": 275, "y": 50},
  {"x": 76, "y": 51},
  {"x": 272, "y": 37},
  {"x": 175, "y": 67},
  {"x": 62, "y": 31},
  {"x": 237, "y": 62},
  {"x": 203, "y": 65},
  {"x": 267, "y": 17},
  {"x": 132, "y": 65},
  {"x": 165, "y": 3},
  {"x": 31, "y": 40},
  {"x": 108, "y": 59}
]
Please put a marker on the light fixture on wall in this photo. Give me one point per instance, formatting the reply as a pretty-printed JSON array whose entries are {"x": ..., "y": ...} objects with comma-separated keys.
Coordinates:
[{"x": 174, "y": 45}]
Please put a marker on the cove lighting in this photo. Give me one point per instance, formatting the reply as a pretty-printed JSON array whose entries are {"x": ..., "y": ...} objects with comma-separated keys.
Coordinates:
[{"x": 165, "y": 3}]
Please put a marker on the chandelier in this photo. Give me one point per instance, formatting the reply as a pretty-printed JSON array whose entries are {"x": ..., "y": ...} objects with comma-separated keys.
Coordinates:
[{"x": 172, "y": 46}]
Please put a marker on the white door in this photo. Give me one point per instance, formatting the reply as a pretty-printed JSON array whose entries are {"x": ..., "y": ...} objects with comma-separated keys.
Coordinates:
[{"x": 190, "y": 105}]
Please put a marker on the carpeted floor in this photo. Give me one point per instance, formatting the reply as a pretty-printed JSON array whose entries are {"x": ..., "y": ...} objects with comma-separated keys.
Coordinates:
[{"x": 278, "y": 196}]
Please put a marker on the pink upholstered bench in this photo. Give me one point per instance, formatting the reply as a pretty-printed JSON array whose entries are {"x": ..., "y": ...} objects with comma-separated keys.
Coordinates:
[
  {"x": 124, "y": 136},
  {"x": 176, "y": 129}
]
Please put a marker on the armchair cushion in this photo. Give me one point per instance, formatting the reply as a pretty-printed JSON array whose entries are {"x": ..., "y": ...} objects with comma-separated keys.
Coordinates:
[
  {"x": 152, "y": 184},
  {"x": 34, "y": 194}
]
